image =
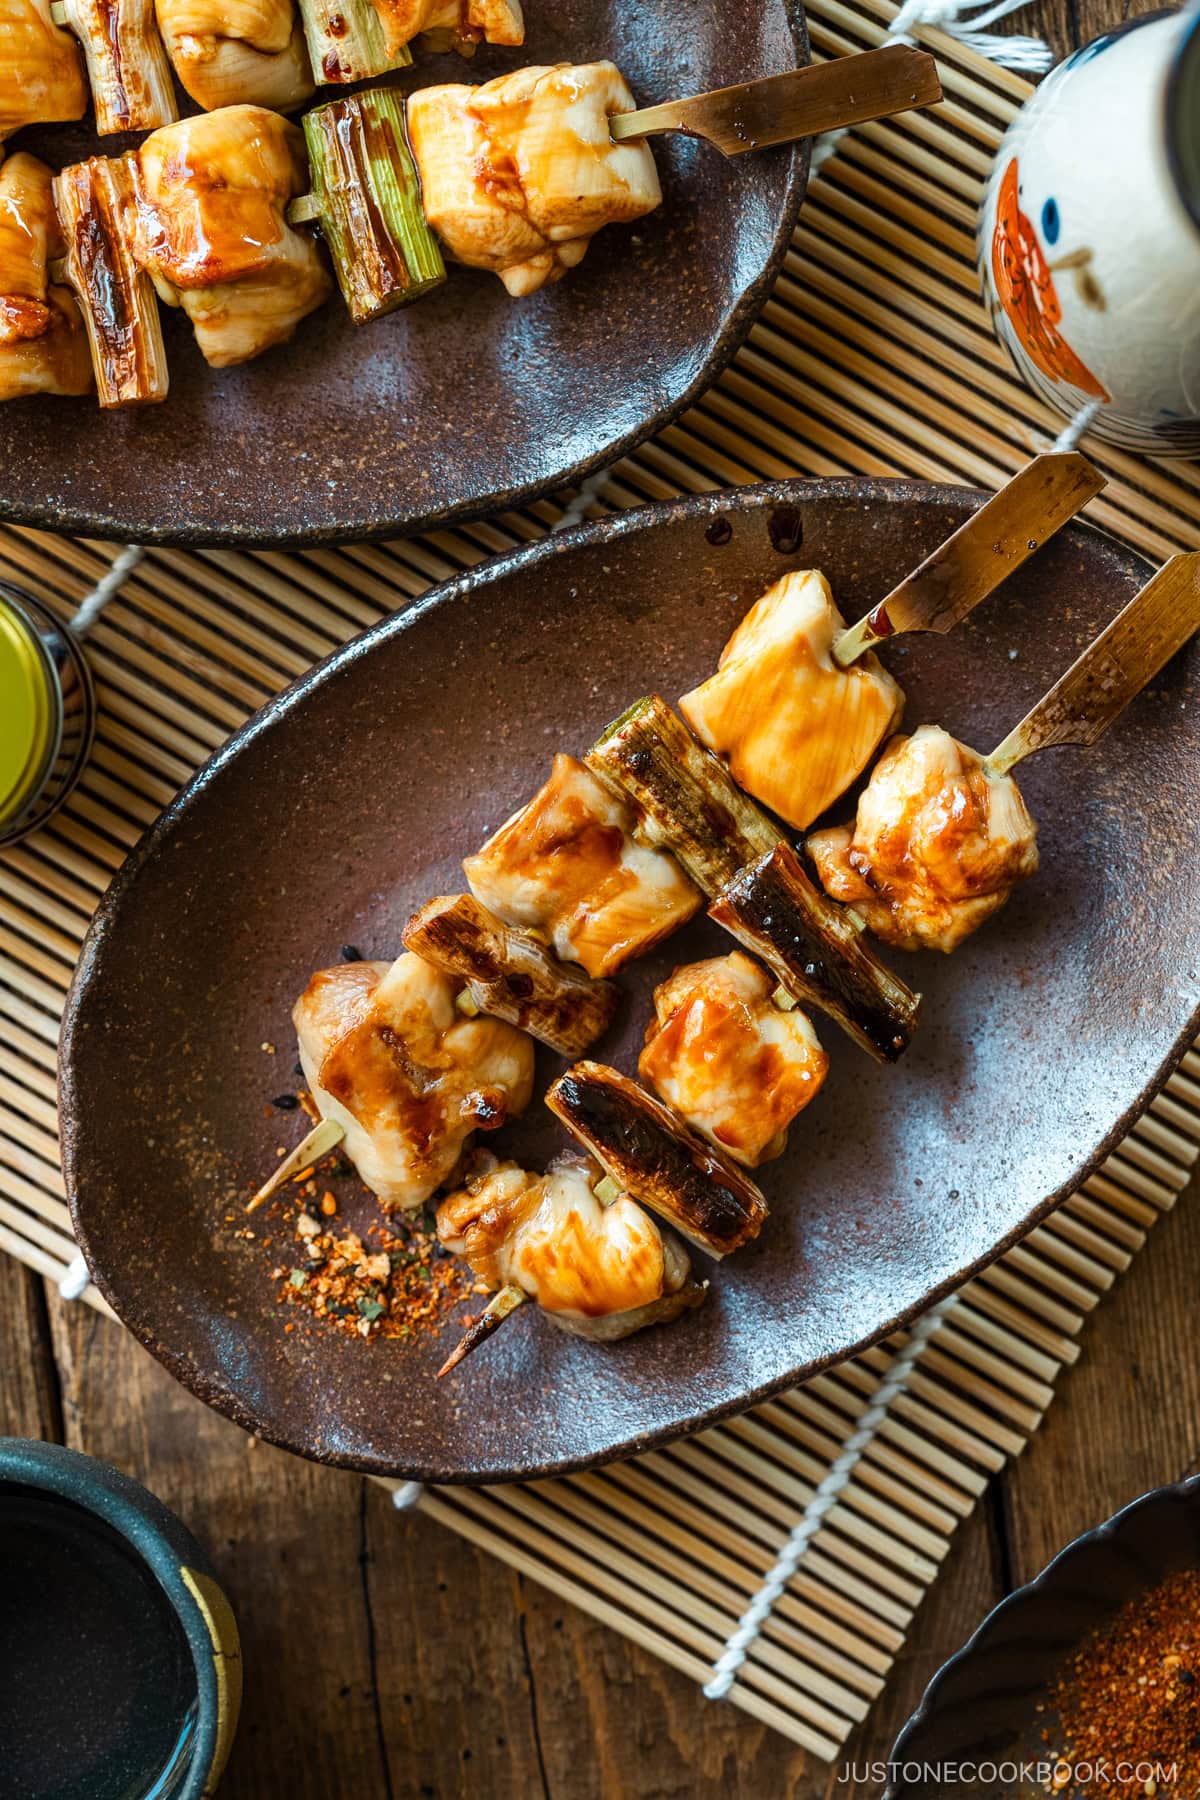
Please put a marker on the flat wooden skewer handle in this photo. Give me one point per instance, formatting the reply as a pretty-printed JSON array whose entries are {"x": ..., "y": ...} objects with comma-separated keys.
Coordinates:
[
  {"x": 1141, "y": 640},
  {"x": 972, "y": 563},
  {"x": 799, "y": 103}
]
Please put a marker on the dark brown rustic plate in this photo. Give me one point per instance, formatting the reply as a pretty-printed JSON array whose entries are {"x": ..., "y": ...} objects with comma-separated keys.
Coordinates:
[
  {"x": 468, "y": 402},
  {"x": 352, "y": 797}
]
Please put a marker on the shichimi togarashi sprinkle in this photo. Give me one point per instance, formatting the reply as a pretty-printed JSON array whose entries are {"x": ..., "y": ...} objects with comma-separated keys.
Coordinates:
[{"x": 1128, "y": 1701}]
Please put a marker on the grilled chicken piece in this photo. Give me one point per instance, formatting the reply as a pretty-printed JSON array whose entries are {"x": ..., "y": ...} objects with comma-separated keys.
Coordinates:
[
  {"x": 567, "y": 866},
  {"x": 451, "y": 24},
  {"x": 938, "y": 845},
  {"x": 387, "y": 1054},
  {"x": 737, "y": 1067},
  {"x": 209, "y": 227},
  {"x": 41, "y": 70},
  {"x": 599, "y": 1271},
  {"x": 519, "y": 174},
  {"x": 43, "y": 345},
  {"x": 237, "y": 52},
  {"x": 796, "y": 728}
]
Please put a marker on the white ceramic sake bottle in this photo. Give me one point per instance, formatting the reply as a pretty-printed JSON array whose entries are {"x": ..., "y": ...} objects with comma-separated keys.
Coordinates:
[{"x": 1089, "y": 238}]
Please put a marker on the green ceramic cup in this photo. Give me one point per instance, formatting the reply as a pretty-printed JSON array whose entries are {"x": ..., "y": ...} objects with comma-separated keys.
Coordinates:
[{"x": 122, "y": 1666}]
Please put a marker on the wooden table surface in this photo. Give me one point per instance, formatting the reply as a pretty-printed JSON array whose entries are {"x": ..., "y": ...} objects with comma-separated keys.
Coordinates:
[{"x": 386, "y": 1659}]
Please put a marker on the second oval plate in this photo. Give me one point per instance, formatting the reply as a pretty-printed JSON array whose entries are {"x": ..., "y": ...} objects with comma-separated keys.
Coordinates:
[
  {"x": 467, "y": 402},
  {"x": 352, "y": 798}
]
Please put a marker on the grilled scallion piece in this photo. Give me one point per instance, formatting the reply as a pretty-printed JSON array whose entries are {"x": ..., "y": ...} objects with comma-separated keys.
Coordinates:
[
  {"x": 650, "y": 1153},
  {"x": 367, "y": 196},
  {"x": 685, "y": 798},
  {"x": 347, "y": 41},
  {"x": 817, "y": 950},
  {"x": 116, "y": 297},
  {"x": 127, "y": 63},
  {"x": 510, "y": 975}
]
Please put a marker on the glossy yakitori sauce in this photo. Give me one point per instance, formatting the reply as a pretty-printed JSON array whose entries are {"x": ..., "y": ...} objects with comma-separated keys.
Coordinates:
[{"x": 47, "y": 714}]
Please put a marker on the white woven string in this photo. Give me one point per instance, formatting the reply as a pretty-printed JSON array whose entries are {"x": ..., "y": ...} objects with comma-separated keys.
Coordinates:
[
  {"x": 964, "y": 21},
  {"x": 1071, "y": 433},
  {"x": 93, "y": 604},
  {"x": 824, "y": 1499},
  {"x": 409, "y": 1495},
  {"x": 576, "y": 512},
  {"x": 75, "y": 1280},
  {"x": 959, "y": 19}
]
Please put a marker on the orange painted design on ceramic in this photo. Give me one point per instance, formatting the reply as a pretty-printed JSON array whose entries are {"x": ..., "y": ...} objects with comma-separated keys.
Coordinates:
[{"x": 1026, "y": 290}]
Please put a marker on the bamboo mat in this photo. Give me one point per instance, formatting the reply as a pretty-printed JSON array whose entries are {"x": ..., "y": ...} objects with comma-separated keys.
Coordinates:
[{"x": 874, "y": 356}]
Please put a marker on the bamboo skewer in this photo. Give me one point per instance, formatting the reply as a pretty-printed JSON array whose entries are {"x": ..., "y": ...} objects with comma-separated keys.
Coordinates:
[
  {"x": 1114, "y": 668},
  {"x": 972, "y": 563},
  {"x": 800, "y": 103},
  {"x": 781, "y": 109},
  {"x": 500, "y": 1307},
  {"x": 324, "y": 1136}
]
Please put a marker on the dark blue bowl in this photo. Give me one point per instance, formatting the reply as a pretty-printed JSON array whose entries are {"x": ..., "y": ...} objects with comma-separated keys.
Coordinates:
[
  {"x": 122, "y": 1671},
  {"x": 980, "y": 1707}
]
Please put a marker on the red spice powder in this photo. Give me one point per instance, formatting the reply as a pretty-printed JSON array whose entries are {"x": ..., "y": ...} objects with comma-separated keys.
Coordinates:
[
  {"x": 1128, "y": 1701},
  {"x": 390, "y": 1282}
]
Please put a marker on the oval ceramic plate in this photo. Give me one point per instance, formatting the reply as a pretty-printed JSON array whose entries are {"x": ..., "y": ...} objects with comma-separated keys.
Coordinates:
[
  {"x": 352, "y": 798},
  {"x": 468, "y": 402}
]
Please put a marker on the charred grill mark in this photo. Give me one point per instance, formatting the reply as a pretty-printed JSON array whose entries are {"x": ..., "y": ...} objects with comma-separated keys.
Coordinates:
[
  {"x": 684, "y": 791},
  {"x": 646, "y": 1148},
  {"x": 511, "y": 975},
  {"x": 813, "y": 947}
]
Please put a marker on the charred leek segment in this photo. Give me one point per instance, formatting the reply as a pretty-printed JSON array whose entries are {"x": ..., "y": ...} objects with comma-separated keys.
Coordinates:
[
  {"x": 127, "y": 62},
  {"x": 367, "y": 196},
  {"x": 685, "y": 797},
  {"x": 510, "y": 975},
  {"x": 347, "y": 42},
  {"x": 816, "y": 950},
  {"x": 650, "y": 1153},
  {"x": 116, "y": 297}
]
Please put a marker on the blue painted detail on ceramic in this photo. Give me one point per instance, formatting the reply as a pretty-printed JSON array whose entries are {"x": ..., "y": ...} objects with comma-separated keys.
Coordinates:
[{"x": 1051, "y": 223}]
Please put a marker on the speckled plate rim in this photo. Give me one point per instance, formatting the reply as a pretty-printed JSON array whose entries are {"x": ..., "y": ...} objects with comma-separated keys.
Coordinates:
[
  {"x": 1187, "y": 1492},
  {"x": 616, "y": 526},
  {"x": 741, "y": 318}
]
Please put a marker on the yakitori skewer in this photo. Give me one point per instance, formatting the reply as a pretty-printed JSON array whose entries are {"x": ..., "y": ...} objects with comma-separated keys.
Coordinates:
[
  {"x": 942, "y": 834},
  {"x": 225, "y": 52},
  {"x": 515, "y": 176},
  {"x": 687, "y": 800},
  {"x": 1002, "y": 535}
]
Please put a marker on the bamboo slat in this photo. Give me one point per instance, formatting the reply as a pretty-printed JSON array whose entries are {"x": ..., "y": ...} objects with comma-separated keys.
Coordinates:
[{"x": 874, "y": 356}]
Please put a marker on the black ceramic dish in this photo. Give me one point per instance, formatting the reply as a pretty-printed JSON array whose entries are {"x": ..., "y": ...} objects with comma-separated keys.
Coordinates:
[
  {"x": 980, "y": 1706},
  {"x": 468, "y": 402},
  {"x": 352, "y": 798},
  {"x": 122, "y": 1669}
]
